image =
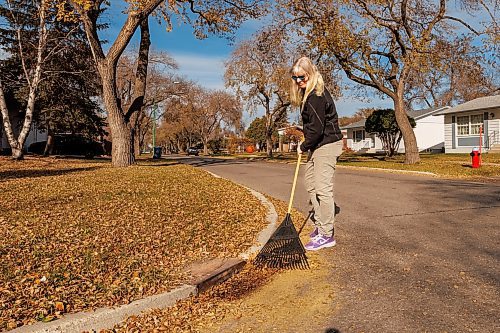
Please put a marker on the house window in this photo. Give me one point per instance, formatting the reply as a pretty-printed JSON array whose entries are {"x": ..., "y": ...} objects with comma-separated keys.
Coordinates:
[
  {"x": 469, "y": 125},
  {"x": 476, "y": 121},
  {"x": 463, "y": 125},
  {"x": 358, "y": 135}
]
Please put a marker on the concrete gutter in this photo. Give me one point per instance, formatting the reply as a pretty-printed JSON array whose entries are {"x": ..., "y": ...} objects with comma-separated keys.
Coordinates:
[
  {"x": 104, "y": 318},
  {"x": 204, "y": 275},
  {"x": 386, "y": 170}
]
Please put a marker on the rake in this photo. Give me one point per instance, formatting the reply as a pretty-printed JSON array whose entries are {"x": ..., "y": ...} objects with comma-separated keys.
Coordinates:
[{"x": 284, "y": 249}]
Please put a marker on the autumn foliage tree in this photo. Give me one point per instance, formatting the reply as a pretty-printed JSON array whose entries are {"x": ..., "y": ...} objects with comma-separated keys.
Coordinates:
[
  {"x": 362, "y": 113},
  {"x": 378, "y": 44},
  {"x": 217, "y": 17},
  {"x": 258, "y": 69},
  {"x": 217, "y": 110},
  {"x": 199, "y": 115}
]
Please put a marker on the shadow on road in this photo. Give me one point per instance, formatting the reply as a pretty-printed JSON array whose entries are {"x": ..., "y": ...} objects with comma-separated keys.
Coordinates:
[{"x": 204, "y": 161}]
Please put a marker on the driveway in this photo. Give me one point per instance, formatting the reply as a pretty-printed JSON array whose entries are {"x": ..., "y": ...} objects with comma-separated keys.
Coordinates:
[{"x": 414, "y": 253}]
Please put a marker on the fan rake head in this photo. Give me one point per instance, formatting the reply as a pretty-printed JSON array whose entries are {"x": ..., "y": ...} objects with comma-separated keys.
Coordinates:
[{"x": 284, "y": 249}]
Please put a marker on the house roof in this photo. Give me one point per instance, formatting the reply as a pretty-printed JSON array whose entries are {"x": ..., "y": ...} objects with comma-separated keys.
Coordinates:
[
  {"x": 415, "y": 114},
  {"x": 419, "y": 114},
  {"x": 359, "y": 123},
  {"x": 481, "y": 103}
]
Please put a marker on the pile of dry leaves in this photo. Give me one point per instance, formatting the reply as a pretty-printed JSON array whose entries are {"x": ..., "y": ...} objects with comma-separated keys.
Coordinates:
[
  {"x": 78, "y": 235},
  {"x": 204, "y": 312}
]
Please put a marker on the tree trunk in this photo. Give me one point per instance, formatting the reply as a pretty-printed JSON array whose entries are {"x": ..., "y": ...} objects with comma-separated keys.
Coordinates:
[
  {"x": 122, "y": 154},
  {"x": 137, "y": 106},
  {"x": 49, "y": 147},
  {"x": 410, "y": 141},
  {"x": 269, "y": 133},
  {"x": 205, "y": 147},
  {"x": 269, "y": 146},
  {"x": 137, "y": 141}
]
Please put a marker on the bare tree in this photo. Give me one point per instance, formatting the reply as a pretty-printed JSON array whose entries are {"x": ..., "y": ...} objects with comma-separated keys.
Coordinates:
[
  {"x": 160, "y": 84},
  {"x": 199, "y": 115}
]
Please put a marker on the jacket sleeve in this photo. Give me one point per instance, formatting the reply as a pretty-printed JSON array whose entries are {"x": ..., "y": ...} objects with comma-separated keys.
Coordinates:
[{"x": 314, "y": 110}]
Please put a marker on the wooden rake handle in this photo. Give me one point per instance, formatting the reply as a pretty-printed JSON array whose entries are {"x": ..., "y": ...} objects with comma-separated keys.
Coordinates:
[{"x": 290, "y": 203}]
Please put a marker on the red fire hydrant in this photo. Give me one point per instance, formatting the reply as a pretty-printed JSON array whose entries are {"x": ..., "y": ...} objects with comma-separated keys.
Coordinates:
[{"x": 476, "y": 158}]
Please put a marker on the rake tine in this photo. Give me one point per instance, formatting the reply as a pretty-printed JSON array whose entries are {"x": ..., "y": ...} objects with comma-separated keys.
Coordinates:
[{"x": 284, "y": 248}]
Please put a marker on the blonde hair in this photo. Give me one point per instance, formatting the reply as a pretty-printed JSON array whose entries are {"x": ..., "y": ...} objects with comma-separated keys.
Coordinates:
[{"x": 315, "y": 81}]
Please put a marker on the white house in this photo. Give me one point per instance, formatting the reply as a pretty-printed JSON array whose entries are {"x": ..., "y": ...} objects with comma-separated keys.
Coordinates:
[
  {"x": 467, "y": 122},
  {"x": 359, "y": 140},
  {"x": 429, "y": 131}
]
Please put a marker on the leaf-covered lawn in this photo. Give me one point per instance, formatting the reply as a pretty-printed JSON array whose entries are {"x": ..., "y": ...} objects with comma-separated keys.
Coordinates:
[
  {"x": 202, "y": 313},
  {"x": 77, "y": 235},
  {"x": 446, "y": 165}
]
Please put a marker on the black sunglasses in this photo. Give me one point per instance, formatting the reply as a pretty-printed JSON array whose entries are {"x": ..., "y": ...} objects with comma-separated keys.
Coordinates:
[{"x": 301, "y": 77}]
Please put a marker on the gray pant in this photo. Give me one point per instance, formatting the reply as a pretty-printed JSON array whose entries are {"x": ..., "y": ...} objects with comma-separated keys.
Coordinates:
[{"x": 319, "y": 179}]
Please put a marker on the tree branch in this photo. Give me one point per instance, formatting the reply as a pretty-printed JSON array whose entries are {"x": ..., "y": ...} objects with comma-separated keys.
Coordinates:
[{"x": 468, "y": 26}]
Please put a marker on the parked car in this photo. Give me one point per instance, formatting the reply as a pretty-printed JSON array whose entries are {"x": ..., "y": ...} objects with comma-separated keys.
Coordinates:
[
  {"x": 70, "y": 145},
  {"x": 193, "y": 151}
]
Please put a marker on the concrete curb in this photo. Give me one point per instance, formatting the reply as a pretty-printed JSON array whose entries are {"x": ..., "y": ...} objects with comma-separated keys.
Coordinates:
[
  {"x": 264, "y": 235},
  {"x": 108, "y": 317},
  {"x": 211, "y": 273}
]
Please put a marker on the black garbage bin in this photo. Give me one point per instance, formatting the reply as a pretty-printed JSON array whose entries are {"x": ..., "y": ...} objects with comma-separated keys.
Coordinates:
[{"x": 157, "y": 152}]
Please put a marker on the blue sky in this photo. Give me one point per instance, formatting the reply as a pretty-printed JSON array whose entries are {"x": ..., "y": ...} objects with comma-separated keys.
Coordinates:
[{"x": 202, "y": 60}]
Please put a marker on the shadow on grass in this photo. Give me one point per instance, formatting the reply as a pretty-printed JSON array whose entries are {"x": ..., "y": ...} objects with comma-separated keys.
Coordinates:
[
  {"x": 332, "y": 330},
  {"x": 150, "y": 162},
  {"x": 35, "y": 173},
  {"x": 204, "y": 161}
]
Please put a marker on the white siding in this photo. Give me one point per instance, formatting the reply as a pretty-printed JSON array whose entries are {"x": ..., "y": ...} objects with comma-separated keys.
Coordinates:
[
  {"x": 429, "y": 132},
  {"x": 447, "y": 132},
  {"x": 370, "y": 142},
  {"x": 493, "y": 126}
]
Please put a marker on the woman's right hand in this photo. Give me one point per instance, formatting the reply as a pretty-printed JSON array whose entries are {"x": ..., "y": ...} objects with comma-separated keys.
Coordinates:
[{"x": 299, "y": 151}]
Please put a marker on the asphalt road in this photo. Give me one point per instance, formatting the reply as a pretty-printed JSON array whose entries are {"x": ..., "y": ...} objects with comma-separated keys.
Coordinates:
[{"x": 414, "y": 253}]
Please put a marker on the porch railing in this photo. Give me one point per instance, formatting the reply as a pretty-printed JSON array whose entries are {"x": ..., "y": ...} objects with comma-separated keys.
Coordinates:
[
  {"x": 493, "y": 138},
  {"x": 361, "y": 145}
]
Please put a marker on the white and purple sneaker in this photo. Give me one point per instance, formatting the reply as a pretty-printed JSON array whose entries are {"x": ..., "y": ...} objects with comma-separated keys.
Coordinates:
[
  {"x": 319, "y": 242},
  {"x": 314, "y": 233}
]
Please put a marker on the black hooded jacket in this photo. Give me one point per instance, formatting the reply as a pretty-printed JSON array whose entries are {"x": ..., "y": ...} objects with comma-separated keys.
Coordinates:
[{"x": 320, "y": 121}]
